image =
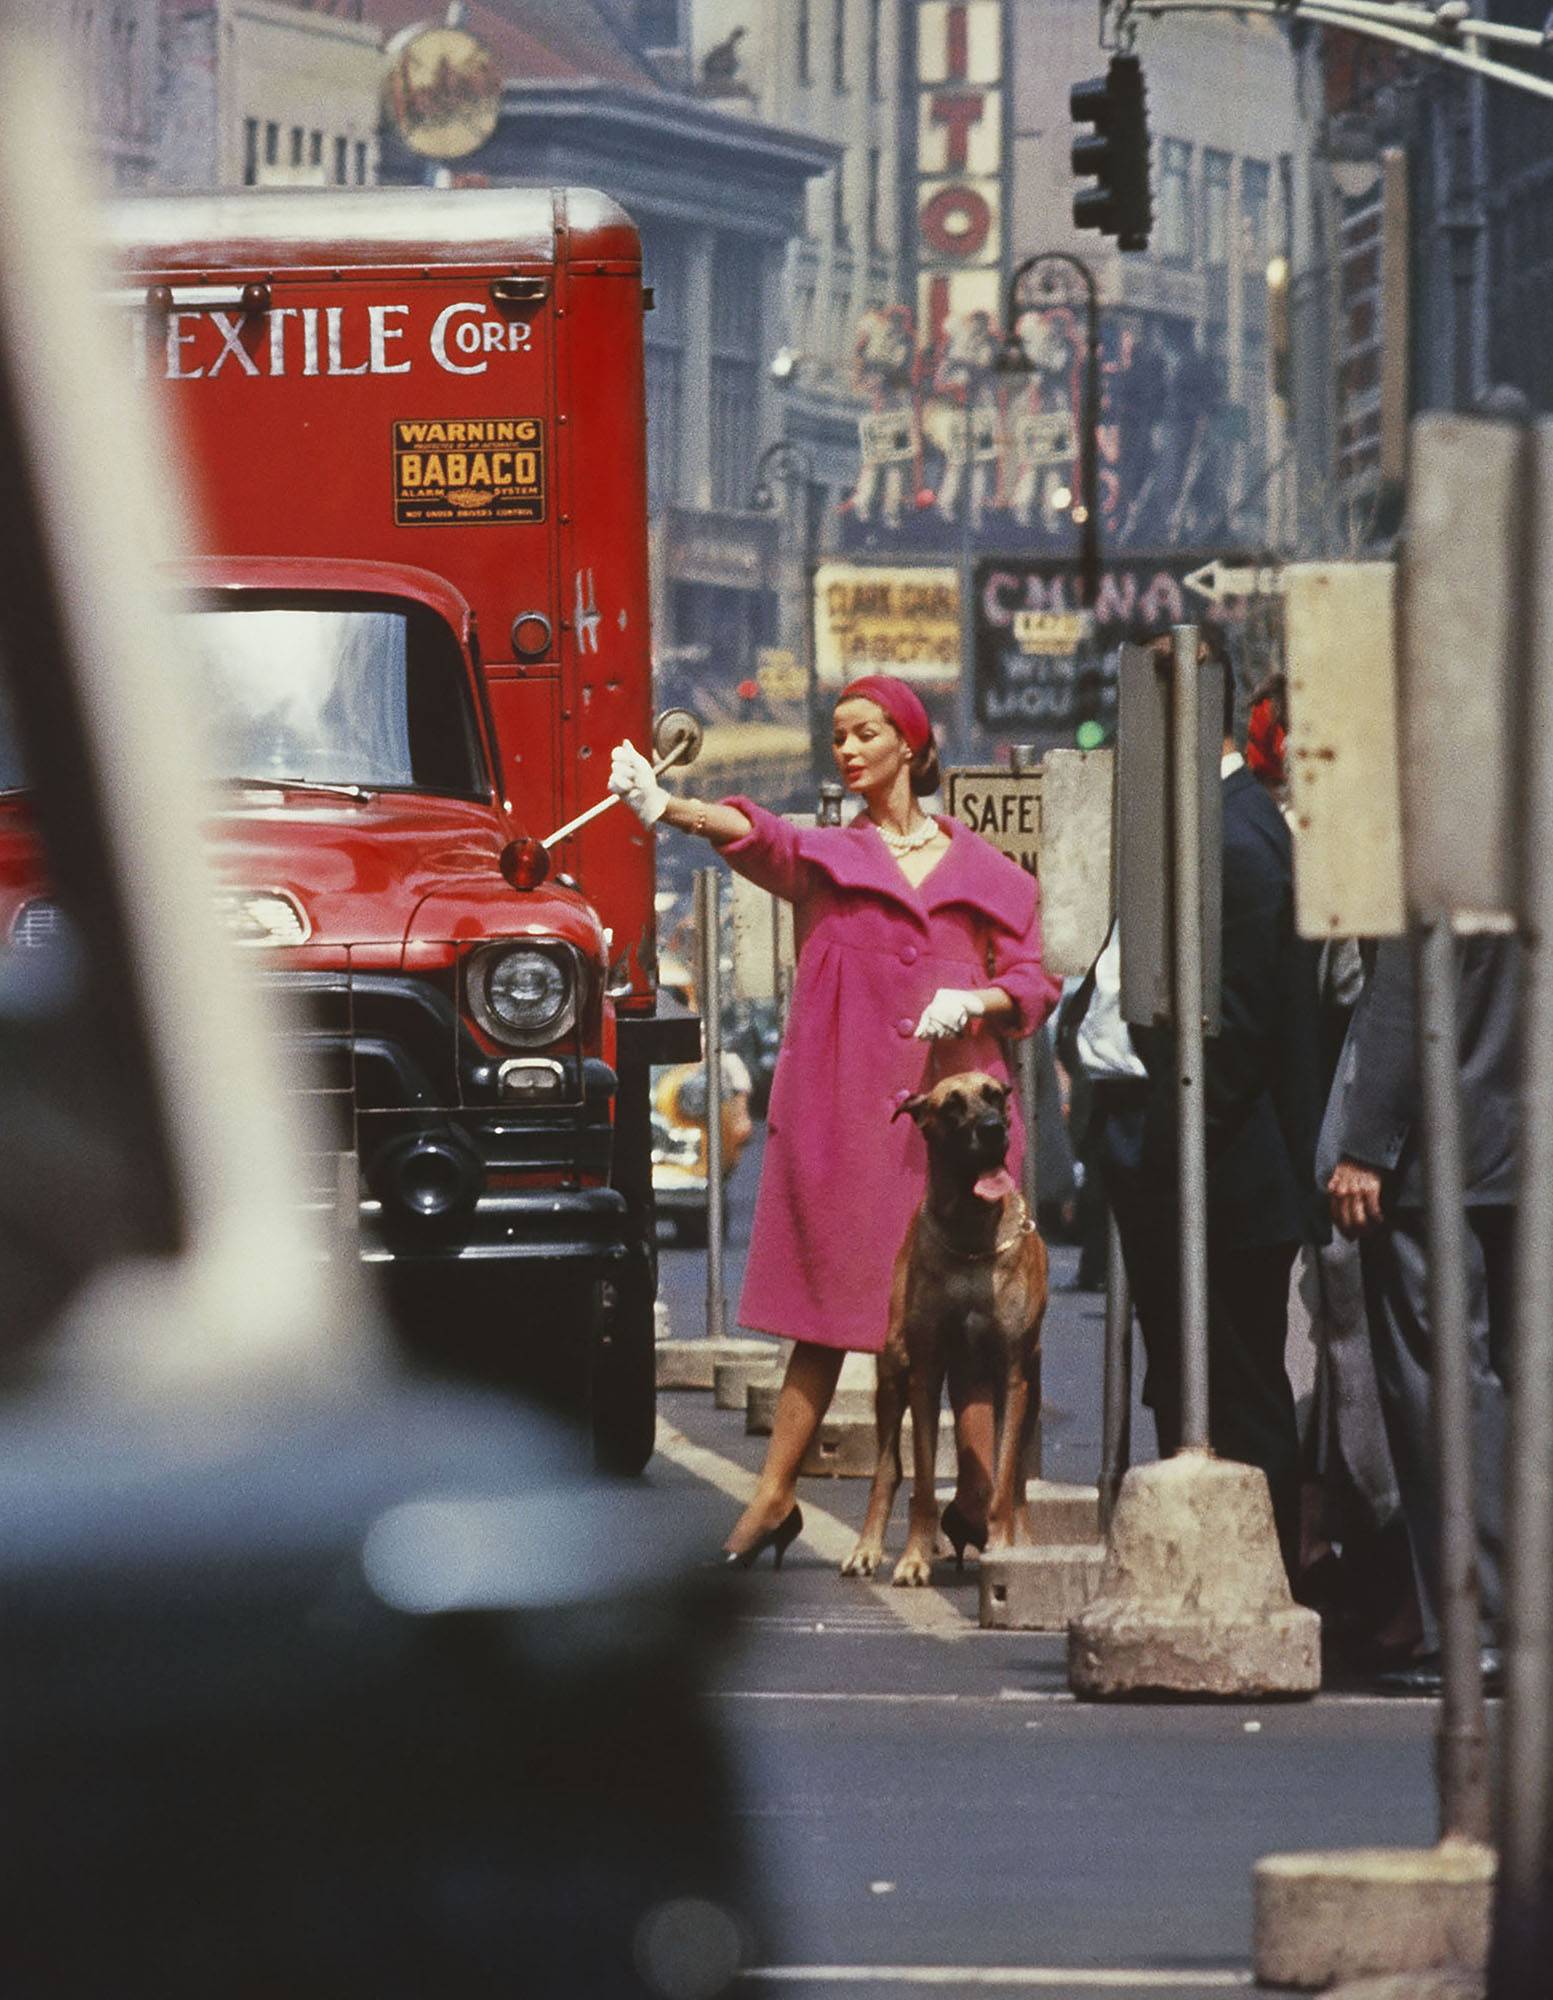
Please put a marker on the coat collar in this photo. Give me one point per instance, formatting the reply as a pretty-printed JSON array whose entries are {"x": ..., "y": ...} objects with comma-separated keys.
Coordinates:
[{"x": 972, "y": 873}]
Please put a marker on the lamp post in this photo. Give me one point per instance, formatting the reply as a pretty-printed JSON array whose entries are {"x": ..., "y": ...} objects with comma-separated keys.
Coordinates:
[
  {"x": 793, "y": 465},
  {"x": 1015, "y": 360}
]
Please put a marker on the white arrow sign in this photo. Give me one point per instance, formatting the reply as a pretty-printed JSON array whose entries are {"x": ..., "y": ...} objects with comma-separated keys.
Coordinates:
[{"x": 1217, "y": 581}]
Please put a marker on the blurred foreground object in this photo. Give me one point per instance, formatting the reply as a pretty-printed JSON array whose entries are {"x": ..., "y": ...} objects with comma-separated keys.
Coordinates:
[{"x": 316, "y": 1681}]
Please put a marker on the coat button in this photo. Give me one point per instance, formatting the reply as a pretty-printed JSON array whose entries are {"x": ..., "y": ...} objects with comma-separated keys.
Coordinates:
[
  {"x": 904, "y": 1027},
  {"x": 909, "y": 954}
]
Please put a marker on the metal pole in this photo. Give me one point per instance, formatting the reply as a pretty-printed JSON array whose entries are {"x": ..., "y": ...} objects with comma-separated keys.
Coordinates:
[
  {"x": 1523, "y": 1934},
  {"x": 1190, "y": 1125},
  {"x": 1462, "y": 225},
  {"x": 778, "y": 970},
  {"x": 708, "y": 928},
  {"x": 1116, "y": 1393},
  {"x": 1461, "y": 1744},
  {"x": 1089, "y": 530},
  {"x": 1025, "y": 760},
  {"x": 967, "y": 702}
]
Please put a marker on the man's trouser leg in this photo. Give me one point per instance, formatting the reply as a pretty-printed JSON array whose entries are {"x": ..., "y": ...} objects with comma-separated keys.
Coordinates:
[
  {"x": 1250, "y": 1404},
  {"x": 1396, "y": 1287}
]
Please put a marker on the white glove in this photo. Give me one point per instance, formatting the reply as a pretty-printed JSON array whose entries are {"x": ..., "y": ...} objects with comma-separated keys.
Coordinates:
[
  {"x": 631, "y": 778},
  {"x": 949, "y": 1012}
]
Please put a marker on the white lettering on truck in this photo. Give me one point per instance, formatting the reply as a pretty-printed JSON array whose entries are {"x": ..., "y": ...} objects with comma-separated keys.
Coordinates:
[
  {"x": 380, "y": 334},
  {"x": 335, "y": 340},
  {"x": 471, "y": 337}
]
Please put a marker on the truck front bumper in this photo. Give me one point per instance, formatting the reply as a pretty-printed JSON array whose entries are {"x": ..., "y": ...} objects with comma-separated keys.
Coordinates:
[{"x": 541, "y": 1224}]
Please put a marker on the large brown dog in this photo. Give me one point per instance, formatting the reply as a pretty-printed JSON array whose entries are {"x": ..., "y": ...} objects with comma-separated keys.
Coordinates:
[{"x": 967, "y": 1299}]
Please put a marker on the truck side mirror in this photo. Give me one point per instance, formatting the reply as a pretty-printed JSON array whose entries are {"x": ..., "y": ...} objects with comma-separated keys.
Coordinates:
[{"x": 677, "y": 732}]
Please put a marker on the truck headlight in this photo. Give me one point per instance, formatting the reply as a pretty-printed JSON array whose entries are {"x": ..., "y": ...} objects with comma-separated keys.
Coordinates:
[{"x": 522, "y": 996}]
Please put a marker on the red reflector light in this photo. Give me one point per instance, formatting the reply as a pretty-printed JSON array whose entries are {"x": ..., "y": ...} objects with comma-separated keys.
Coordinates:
[{"x": 525, "y": 862}]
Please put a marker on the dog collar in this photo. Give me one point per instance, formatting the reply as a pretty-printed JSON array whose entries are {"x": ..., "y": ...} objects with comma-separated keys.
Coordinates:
[{"x": 1023, "y": 1227}]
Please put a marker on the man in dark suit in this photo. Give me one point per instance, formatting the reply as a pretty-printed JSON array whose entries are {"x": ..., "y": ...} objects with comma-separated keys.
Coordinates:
[
  {"x": 1262, "y": 1111},
  {"x": 1377, "y": 1194}
]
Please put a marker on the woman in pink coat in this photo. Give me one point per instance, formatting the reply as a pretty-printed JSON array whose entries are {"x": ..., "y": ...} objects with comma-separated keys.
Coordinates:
[{"x": 919, "y": 951}]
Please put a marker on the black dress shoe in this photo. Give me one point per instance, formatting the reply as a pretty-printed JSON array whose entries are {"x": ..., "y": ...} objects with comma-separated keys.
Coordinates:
[
  {"x": 1423, "y": 1676},
  {"x": 777, "y": 1539}
]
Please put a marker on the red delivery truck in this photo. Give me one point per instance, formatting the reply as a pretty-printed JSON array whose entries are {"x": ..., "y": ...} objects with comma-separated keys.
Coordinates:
[{"x": 412, "y": 424}]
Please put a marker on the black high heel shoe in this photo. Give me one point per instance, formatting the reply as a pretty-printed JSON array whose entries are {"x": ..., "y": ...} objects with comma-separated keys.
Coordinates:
[
  {"x": 778, "y": 1539},
  {"x": 961, "y": 1533}
]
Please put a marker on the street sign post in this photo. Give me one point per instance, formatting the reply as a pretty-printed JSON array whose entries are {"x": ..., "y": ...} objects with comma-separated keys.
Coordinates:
[
  {"x": 1003, "y": 806},
  {"x": 1462, "y": 566},
  {"x": 1344, "y": 788},
  {"x": 1145, "y": 902},
  {"x": 1078, "y": 809}
]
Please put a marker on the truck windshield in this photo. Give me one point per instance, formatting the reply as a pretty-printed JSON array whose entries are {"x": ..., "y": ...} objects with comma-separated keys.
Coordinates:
[{"x": 365, "y": 691}]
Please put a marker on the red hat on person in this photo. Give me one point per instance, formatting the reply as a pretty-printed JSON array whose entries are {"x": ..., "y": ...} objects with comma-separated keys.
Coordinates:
[
  {"x": 902, "y": 704},
  {"x": 1266, "y": 739}
]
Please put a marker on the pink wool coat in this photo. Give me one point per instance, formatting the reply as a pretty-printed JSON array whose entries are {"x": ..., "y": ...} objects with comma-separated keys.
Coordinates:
[{"x": 843, "y": 1176}]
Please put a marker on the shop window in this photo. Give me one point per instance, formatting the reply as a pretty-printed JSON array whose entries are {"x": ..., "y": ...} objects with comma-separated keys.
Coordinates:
[
  {"x": 1216, "y": 191},
  {"x": 1173, "y": 227}
]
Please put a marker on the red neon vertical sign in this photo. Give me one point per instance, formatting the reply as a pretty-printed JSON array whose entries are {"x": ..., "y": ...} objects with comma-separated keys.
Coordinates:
[{"x": 959, "y": 43}]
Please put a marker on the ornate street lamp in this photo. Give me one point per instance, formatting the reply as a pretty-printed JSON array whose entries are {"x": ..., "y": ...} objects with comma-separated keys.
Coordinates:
[
  {"x": 792, "y": 465},
  {"x": 1014, "y": 359}
]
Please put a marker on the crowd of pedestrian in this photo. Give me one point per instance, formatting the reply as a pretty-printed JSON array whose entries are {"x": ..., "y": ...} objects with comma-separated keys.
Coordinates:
[{"x": 1315, "y": 1216}]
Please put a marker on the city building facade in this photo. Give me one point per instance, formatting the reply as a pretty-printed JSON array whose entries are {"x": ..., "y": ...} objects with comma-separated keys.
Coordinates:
[
  {"x": 116, "y": 50},
  {"x": 1059, "y": 432},
  {"x": 262, "y": 93},
  {"x": 604, "y": 94}
]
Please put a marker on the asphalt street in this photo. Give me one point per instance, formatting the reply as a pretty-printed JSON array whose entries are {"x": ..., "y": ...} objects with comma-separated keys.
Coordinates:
[{"x": 930, "y": 1808}]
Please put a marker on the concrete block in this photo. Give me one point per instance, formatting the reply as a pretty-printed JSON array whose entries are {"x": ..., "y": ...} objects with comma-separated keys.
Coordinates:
[
  {"x": 1060, "y": 1514},
  {"x": 1415, "y": 1986},
  {"x": 1038, "y": 1589},
  {"x": 661, "y": 1328},
  {"x": 846, "y": 1406},
  {"x": 1193, "y": 1598},
  {"x": 859, "y": 1371},
  {"x": 852, "y": 1402},
  {"x": 692, "y": 1364},
  {"x": 733, "y": 1379},
  {"x": 848, "y": 1448},
  {"x": 1319, "y": 1918}
]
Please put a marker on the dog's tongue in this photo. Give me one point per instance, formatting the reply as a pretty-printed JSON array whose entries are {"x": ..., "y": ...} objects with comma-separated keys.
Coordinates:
[{"x": 993, "y": 1186}]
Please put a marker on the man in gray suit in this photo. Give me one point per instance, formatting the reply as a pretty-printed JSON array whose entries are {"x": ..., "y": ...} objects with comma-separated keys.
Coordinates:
[{"x": 1377, "y": 1194}]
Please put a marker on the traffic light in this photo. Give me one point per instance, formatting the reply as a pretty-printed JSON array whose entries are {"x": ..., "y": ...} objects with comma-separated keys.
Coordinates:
[{"x": 1115, "y": 155}]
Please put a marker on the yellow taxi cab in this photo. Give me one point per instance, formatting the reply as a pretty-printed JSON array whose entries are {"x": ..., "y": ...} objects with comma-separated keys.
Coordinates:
[{"x": 679, "y": 1127}]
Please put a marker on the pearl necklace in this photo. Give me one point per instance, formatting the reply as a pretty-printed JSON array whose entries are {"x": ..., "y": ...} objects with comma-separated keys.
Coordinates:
[{"x": 921, "y": 834}]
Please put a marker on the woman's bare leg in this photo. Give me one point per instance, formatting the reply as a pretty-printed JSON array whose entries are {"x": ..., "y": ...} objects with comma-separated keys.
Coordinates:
[{"x": 807, "y": 1388}]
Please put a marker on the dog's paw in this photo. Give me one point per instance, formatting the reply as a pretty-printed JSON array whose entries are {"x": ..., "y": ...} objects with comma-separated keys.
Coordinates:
[
  {"x": 914, "y": 1570},
  {"x": 864, "y": 1560}
]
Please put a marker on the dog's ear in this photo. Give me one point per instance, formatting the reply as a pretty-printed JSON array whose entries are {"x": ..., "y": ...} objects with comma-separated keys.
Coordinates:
[{"x": 917, "y": 1107}]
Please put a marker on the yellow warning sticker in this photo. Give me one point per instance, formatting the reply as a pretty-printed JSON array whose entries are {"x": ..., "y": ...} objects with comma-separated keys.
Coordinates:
[{"x": 469, "y": 471}]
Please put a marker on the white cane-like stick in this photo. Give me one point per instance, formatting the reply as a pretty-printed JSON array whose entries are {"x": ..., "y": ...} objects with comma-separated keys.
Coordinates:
[{"x": 613, "y": 799}]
